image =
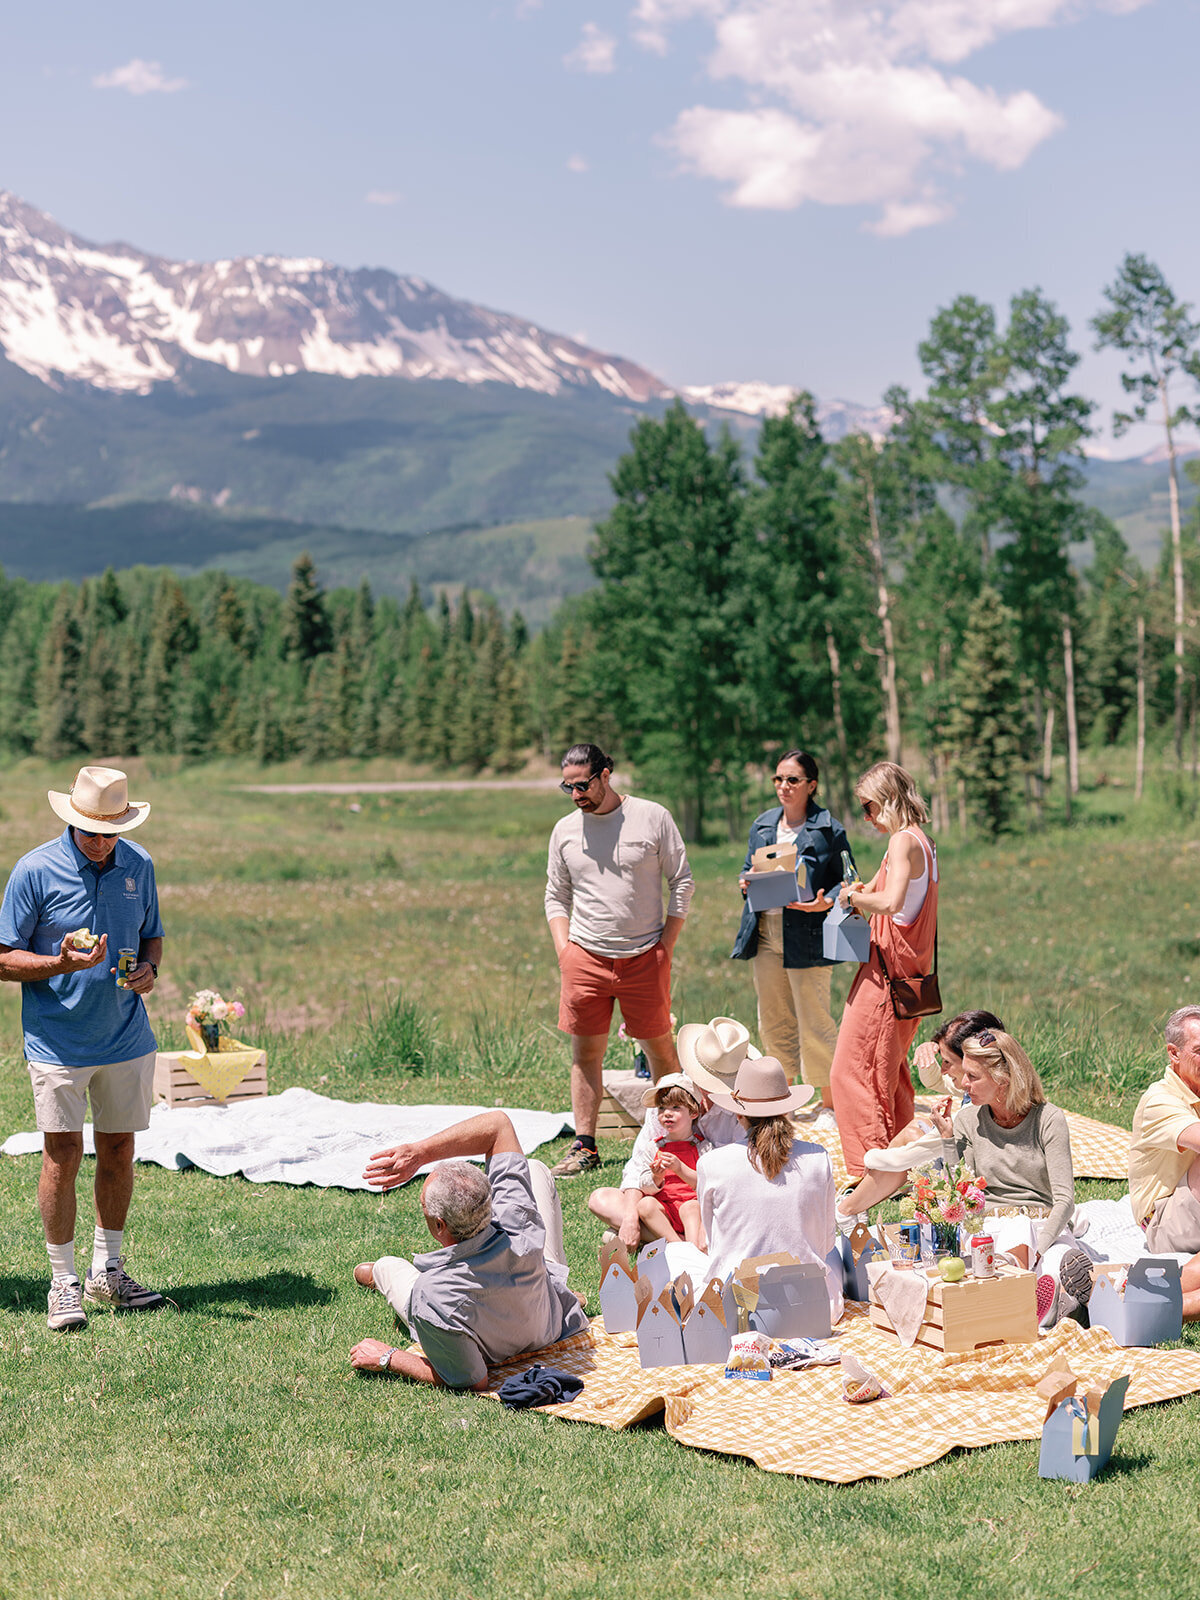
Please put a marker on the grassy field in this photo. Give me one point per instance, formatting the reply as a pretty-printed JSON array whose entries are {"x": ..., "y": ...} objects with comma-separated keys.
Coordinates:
[{"x": 398, "y": 953}]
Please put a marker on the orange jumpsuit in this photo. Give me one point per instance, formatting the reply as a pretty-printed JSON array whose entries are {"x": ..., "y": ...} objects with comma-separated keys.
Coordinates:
[{"x": 869, "y": 1079}]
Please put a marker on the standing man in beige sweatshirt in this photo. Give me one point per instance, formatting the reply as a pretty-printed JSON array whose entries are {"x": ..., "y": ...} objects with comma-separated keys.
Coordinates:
[{"x": 604, "y": 903}]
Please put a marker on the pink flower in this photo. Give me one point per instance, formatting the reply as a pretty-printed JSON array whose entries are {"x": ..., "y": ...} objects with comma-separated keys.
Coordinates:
[
  {"x": 954, "y": 1212},
  {"x": 974, "y": 1197}
]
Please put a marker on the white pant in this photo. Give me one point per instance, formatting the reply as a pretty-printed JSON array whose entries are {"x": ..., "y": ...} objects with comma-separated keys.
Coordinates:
[{"x": 395, "y": 1277}]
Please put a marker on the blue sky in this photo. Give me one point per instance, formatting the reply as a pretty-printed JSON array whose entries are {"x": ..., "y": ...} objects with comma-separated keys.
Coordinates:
[{"x": 719, "y": 189}]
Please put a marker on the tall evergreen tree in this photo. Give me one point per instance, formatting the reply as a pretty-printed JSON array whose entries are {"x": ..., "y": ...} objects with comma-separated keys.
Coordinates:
[
  {"x": 986, "y": 722},
  {"x": 306, "y": 628},
  {"x": 666, "y": 560},
  {"x": 58, "y": 706}
]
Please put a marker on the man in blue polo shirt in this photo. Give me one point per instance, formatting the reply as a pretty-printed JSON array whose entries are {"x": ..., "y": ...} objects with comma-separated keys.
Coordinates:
[{"x": 86, "y": 1029}]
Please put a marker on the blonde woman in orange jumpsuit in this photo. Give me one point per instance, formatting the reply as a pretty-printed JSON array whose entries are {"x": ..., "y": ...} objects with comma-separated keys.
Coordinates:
[{"x": 870, "y": 1082}]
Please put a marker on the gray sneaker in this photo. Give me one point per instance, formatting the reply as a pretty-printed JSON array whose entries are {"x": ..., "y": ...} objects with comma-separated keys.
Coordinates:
[
  {"x": 115, "y": 1289},
  {"x": 65, "y": 1305},
  {"x": 577, "y": 1159}
]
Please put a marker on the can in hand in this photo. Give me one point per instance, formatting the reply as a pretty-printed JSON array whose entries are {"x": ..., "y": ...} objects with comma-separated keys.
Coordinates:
[{"x": 126, "y": 961}]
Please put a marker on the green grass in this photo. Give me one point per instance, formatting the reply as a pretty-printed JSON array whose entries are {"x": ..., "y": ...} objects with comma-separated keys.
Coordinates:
[{"x": 223, "y": 1447}]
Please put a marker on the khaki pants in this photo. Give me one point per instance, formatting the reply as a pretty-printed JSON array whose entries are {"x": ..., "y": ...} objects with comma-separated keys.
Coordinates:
[
  {"x": 1174, "y": 1228},
  {"x": 793, "y": 1009}
]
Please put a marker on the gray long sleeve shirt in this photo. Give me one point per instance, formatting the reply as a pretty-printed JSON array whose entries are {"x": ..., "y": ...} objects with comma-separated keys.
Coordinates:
[
  {"x": 605, "y": 873},
  {"x": 1026, "y": 1165}
]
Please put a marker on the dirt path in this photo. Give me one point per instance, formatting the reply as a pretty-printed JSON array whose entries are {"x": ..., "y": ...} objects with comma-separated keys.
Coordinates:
[{"x": 431, "y": 784}]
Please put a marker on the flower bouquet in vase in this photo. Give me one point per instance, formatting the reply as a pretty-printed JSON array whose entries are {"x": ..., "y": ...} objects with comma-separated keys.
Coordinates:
[
  {"x": 946, "y": 1202},
  {"x": 209, "y": 1014}
]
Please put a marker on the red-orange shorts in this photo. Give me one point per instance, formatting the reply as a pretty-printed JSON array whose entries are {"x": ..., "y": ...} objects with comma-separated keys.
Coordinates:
[{"x": 641, "y": 986}]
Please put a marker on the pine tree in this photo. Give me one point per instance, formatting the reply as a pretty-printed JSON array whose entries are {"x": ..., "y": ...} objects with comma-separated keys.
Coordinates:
[
  {"x": 987, "y": 724},
  {"x": 667, "y": 557},
  {"x": 307, "y": 633},
  {"x": 59, "y": 728}
]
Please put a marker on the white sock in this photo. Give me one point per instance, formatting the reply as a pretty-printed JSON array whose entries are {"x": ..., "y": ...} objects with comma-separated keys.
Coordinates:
[
  {"x": 62, "y": 1260},
  {"x": 106, "y": 1248}
]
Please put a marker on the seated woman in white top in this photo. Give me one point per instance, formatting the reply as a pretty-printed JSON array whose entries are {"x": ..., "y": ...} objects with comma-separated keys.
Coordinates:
[{"x": 775, "y": 1192}]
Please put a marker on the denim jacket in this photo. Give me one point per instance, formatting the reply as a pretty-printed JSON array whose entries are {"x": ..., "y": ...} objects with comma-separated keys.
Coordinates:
[{"x": 819, "y": 843}]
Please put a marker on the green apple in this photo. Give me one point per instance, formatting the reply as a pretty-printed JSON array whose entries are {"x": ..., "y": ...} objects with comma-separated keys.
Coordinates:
[
  {"x": 953, "y": 1269},
  {"x": 83, "y": 939}
]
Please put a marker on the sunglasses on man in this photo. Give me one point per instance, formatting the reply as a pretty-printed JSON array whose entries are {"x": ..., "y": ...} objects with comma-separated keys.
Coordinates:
[{"x": 580, "y": 786}]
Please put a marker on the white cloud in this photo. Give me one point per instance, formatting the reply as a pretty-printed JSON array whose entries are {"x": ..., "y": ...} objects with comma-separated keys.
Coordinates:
[
  {"x": 595, "y": 52},
  {"x": 849, "y": 102},
  {"x": 139, "y": 77},
  {"x": 577, "y": 164},
  {"x": 382, "y": 197}
]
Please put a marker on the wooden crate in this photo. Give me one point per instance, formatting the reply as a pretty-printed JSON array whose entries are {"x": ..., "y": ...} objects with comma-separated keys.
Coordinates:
[
  {"x": 174, "y": 1084},
  {"x": 614, "y": 1122},
  {"x": 978, "y": 1311}
]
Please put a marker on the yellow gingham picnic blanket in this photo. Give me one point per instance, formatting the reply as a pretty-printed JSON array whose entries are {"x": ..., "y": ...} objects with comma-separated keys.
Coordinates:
[
  {"x": 1098, "y": 1150},
  {"x": 799, "y": 1423}
]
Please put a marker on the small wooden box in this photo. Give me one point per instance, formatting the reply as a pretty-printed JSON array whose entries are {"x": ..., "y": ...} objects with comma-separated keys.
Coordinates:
[
  {"x": 978, "y": 1311},
  {"x": 174, "y": 1084},
  {"x": 614, "y": 1122}
]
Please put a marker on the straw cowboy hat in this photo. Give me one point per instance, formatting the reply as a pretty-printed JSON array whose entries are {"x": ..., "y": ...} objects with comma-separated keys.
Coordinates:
[
  {"x": 99, "y": 802},
  {"x": 761, "y": 1089},
  {"x": 711, "y": 1052}
]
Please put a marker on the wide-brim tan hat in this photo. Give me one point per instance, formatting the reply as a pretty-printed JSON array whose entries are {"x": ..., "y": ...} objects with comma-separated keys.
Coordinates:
[
  {"x": 711, "y": 1052},
  {"x": 761, "y": 1089},
  {"x": 98, "y": 802},
  {"x": 672, "y": 1080}
]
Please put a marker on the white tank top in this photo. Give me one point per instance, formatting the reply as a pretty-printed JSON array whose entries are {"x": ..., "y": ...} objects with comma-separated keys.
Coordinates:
[{"x": 918, "y": 887}]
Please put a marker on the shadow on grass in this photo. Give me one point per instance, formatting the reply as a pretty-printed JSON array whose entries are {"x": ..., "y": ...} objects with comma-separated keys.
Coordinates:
[
  {"x": 23, "y": 1294},
  {"x": 277, "y": 1290}
]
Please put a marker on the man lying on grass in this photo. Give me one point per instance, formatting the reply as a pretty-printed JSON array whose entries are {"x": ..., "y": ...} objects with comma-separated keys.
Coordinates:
[{"x": 497, "y": 1285}]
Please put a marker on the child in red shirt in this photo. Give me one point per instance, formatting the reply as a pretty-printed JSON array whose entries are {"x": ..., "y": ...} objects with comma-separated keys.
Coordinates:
[{"x": 671, "y": 1209}]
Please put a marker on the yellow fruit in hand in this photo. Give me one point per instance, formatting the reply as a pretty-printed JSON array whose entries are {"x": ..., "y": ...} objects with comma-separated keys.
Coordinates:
[{"x": 83, "y": 939}]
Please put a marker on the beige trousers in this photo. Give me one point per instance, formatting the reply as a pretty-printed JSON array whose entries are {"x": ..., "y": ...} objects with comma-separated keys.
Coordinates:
[{"x": 793, "y": 1009}]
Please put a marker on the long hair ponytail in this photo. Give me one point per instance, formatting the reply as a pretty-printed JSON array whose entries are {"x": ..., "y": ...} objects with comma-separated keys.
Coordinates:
[{"x": 769, "y": 1143}]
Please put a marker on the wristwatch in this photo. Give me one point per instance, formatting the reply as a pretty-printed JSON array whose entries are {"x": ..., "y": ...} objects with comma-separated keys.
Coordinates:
[
  {"x": 153, "y": 966},
  {"x": 385, "y": 1360}
]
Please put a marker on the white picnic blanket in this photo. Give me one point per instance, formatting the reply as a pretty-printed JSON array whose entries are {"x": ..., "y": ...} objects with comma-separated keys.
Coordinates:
[
  {"x": 296, "y": 1137},
  {"x": 1112, "y": 1233}
]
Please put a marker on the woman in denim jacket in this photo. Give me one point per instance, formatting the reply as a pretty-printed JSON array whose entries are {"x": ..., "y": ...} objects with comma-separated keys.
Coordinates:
[{"x": 791, "y": 974}]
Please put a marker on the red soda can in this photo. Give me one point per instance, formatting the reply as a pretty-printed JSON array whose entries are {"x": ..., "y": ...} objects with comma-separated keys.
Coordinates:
[{"x": 983, "y": 1264}]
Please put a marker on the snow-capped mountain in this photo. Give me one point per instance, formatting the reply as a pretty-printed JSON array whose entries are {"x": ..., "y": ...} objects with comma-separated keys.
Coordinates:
[
  {"x": 836, "y": 417},
  {"x": 119, "y": 319}
]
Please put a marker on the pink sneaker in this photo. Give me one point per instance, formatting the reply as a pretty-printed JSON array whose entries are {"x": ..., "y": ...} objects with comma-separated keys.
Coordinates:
[{"x": 1047, "y": 1296}]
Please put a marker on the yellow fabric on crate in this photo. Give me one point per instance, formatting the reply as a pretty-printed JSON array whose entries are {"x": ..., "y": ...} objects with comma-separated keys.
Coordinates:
[
  {"x": 221, "y": 1071},
  {"x": 798, "y": 1422}
]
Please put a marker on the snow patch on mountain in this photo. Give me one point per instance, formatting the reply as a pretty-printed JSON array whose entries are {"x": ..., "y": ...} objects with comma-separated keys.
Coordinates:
[{"x": 120, "y": 319}]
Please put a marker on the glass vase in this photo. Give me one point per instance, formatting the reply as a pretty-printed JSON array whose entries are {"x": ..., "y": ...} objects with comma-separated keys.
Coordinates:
[
  {"x": 945, "y": 1239},
  {"x": 210, "y": 1032}
]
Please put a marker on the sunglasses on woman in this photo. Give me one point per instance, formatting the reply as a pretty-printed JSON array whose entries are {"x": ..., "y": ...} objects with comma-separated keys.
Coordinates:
[{"x": 790, "y": 782}]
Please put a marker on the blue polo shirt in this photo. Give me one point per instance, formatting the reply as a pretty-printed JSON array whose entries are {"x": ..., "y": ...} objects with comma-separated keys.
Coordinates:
[{"x": 81, "y": 1019}]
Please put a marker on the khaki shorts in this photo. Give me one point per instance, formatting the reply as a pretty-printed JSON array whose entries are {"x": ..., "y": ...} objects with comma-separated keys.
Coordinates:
[
  {"x": 1175, "y": 1225},
  {"x": 120, "y": 1092}
]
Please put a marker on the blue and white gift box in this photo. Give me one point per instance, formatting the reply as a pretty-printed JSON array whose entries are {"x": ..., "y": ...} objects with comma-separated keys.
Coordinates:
[
  {"x": 1080, "y": 1429},
  {"x": 846, "y": 935},
  {"x": 856, "y": 1250},
  {"x": 782, "y": 1297},
  {"x": 776, "y": 879},
  {"x": 1150, "y": 1308}
]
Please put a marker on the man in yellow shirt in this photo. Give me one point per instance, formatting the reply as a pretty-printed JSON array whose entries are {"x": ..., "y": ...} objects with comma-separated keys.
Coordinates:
[{"x": 1164, "y": 1174}]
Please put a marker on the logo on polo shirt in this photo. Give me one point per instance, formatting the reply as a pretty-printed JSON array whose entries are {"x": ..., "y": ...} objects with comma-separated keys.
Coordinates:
[{"x": 130, "y": 885}]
